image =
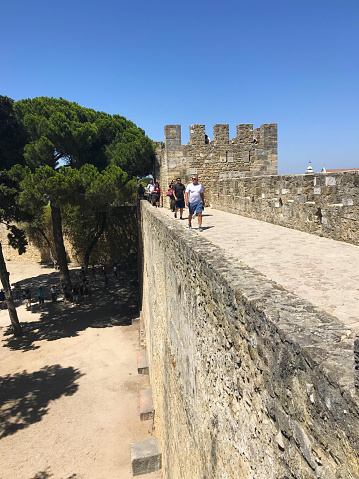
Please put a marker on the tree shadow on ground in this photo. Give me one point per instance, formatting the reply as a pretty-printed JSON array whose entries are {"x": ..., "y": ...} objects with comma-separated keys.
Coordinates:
[
  {"x": 116, "y": 305},
  {"x": 43, "y": 474},
  {"x": 24, "y": 397},
  {"x": 46, "y": 474}
]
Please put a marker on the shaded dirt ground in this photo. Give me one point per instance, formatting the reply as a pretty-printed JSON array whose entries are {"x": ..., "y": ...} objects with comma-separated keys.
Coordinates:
[{"x": 69, "y": 386}]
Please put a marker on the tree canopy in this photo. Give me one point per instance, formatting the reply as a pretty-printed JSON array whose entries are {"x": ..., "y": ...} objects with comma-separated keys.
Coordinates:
[
  {"x": 65, "y": 138},
  {"x": 63, "y": 132},
  {"x": 12, "y": 135},
  {"x": 71, "y": 160}
]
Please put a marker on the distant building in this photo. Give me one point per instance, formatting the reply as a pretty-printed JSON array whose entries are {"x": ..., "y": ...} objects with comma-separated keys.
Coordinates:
[{"x": 309, "y": 170}]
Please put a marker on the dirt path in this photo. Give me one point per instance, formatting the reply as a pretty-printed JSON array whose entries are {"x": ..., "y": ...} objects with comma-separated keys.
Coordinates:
[{"x": 69, "y": 387}]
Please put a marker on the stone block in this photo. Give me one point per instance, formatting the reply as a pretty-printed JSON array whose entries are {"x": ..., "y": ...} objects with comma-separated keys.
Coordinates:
[
  {"x": 142, "y": 362},
  {"x": 145, "y": 457},
  {"x": 146, "y": 404},
  {"x": 330, "y": 181}
]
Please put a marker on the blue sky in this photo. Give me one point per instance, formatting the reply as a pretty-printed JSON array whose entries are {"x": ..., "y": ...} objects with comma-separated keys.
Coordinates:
[{"x": 292, "y": 62}]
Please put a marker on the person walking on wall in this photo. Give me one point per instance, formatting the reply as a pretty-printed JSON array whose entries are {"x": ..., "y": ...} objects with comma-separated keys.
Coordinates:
[
  {"x": 170, "y": 195},
  {"x": 194, "y": 195},
  {"x": 141, "y": 191},
  {"x": 150, "y": 188},
  {"x": 178, "y": 193},
  {"x": 156, "y": 195}
]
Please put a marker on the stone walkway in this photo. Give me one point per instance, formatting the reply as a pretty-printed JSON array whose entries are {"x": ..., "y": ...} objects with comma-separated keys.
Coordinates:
[{"x": 320, "y": 270}]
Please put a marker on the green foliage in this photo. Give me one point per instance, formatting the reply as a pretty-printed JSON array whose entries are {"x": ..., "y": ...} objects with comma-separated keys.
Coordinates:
[
  {"x": 10, "y": 211},
  {"x": 64, "y": 131},
  {"x": 80, "y": 162},
  {"x": 86, "y": 219},
  {"x": 119, "y": 242},
  {"x": 134, "y": 154},
  {"x": 86, "y": 196},
  {"x": 12, "y": 135},
  {"x": 85, "y": 187}
]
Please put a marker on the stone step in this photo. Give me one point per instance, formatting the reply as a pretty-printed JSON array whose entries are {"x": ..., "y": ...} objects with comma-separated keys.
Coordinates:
[
  {"x": 145, "y": 457},
  {"x": 142, "y": 362},
  {"x": 146, "y": 404}
]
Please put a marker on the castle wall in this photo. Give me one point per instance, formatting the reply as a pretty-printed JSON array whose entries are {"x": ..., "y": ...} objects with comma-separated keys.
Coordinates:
[
  {"x": 249, "y": 381},
  {"x": 237, "y": 157},
  {"x": 33, "y": 252},
  {"x": 325, "y": 204}
]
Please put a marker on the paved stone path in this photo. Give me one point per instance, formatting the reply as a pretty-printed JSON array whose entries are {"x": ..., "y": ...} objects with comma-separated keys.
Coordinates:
[{"x": 320, "y": 270}]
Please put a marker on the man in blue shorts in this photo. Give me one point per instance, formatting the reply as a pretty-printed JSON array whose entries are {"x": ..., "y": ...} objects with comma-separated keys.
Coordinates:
[
  {"x": 178, "y": 193},
  {"x": 195, "y": 201}
]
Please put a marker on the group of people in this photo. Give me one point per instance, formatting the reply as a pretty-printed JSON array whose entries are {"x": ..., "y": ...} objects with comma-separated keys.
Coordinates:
[
  {"x": 180, "y": 196},
  {"x": 81, "y": 292},
  {"x": 191, "y": 196},
  {"x": 19, "y": 294},
  {"x": 153, "y": 191}
]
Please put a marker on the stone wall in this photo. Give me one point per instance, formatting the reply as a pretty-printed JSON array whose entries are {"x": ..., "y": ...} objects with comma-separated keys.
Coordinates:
[
  {"x": 241, "y": 177},
  {"x": 249, "y": 381},
  {"x": 33, "y": 253},
  {"x": 325, "y": 204},
  {"x": 237, "y": 157}
]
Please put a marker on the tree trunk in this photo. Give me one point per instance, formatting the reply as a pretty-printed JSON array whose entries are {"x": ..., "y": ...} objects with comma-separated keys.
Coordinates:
[
  {"x": 97, "y": 236},
  {"x": 4, "y": 276},
  {"x": 53, "y": 259},
  {"x": 60, "y": 248}
]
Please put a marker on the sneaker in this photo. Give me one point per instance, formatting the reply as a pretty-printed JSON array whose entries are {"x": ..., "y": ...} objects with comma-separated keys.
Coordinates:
[
  {"x": 175, "y": 215},
  {"x": 181, "y": 218},
  {"x": 189, "y": 226},
  {"x": 200, "y": 229}
]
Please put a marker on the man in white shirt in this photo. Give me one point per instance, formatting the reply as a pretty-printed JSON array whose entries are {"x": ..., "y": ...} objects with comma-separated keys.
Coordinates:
[
  {"x": 150, "y": 188},
  {"x": 194, "y": 195}
]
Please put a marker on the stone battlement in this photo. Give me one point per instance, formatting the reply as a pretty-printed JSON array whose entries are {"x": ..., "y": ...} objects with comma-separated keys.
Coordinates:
[{"x": 240, "y": 155}]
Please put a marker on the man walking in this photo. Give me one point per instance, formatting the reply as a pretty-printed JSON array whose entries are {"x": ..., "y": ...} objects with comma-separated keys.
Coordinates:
[
  {"x": 178, "y": 193},
  {"x": 150, "y": 188},
  {"x": 195, "y": 201}
]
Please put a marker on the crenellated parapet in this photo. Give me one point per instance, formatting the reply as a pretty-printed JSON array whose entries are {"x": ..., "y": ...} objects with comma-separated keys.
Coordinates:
[
  {"x": 172, "y": 136},
  {"x": 197, "y": 135},
  {"x": 252, "y": 152}
]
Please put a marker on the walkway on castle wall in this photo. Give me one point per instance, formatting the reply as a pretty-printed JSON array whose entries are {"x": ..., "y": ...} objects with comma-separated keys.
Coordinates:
[{"x": 320, "y": 270}]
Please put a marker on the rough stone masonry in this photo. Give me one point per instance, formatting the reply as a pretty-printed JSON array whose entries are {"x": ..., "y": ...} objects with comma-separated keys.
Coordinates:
[{"x": 249, "y": 381}]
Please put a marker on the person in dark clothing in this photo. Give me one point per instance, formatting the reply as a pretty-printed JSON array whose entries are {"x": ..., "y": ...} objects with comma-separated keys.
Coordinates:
[
  {"x": 2, "y": 299},
  {"x": 178, "y": 193},
  {"x": 75, "y": 294},
  {"x": 141, "y": 192},
  {"x": 156, "y": 195}
]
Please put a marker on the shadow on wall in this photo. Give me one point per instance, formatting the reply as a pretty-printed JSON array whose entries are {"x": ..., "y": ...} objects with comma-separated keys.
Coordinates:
[
  {"x": 116, "y": 305},
  {"x": 24, "y": 397}
]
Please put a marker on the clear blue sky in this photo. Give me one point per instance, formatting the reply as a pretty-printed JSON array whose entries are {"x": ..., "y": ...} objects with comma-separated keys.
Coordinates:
[{"x": 291, "y": 62}]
